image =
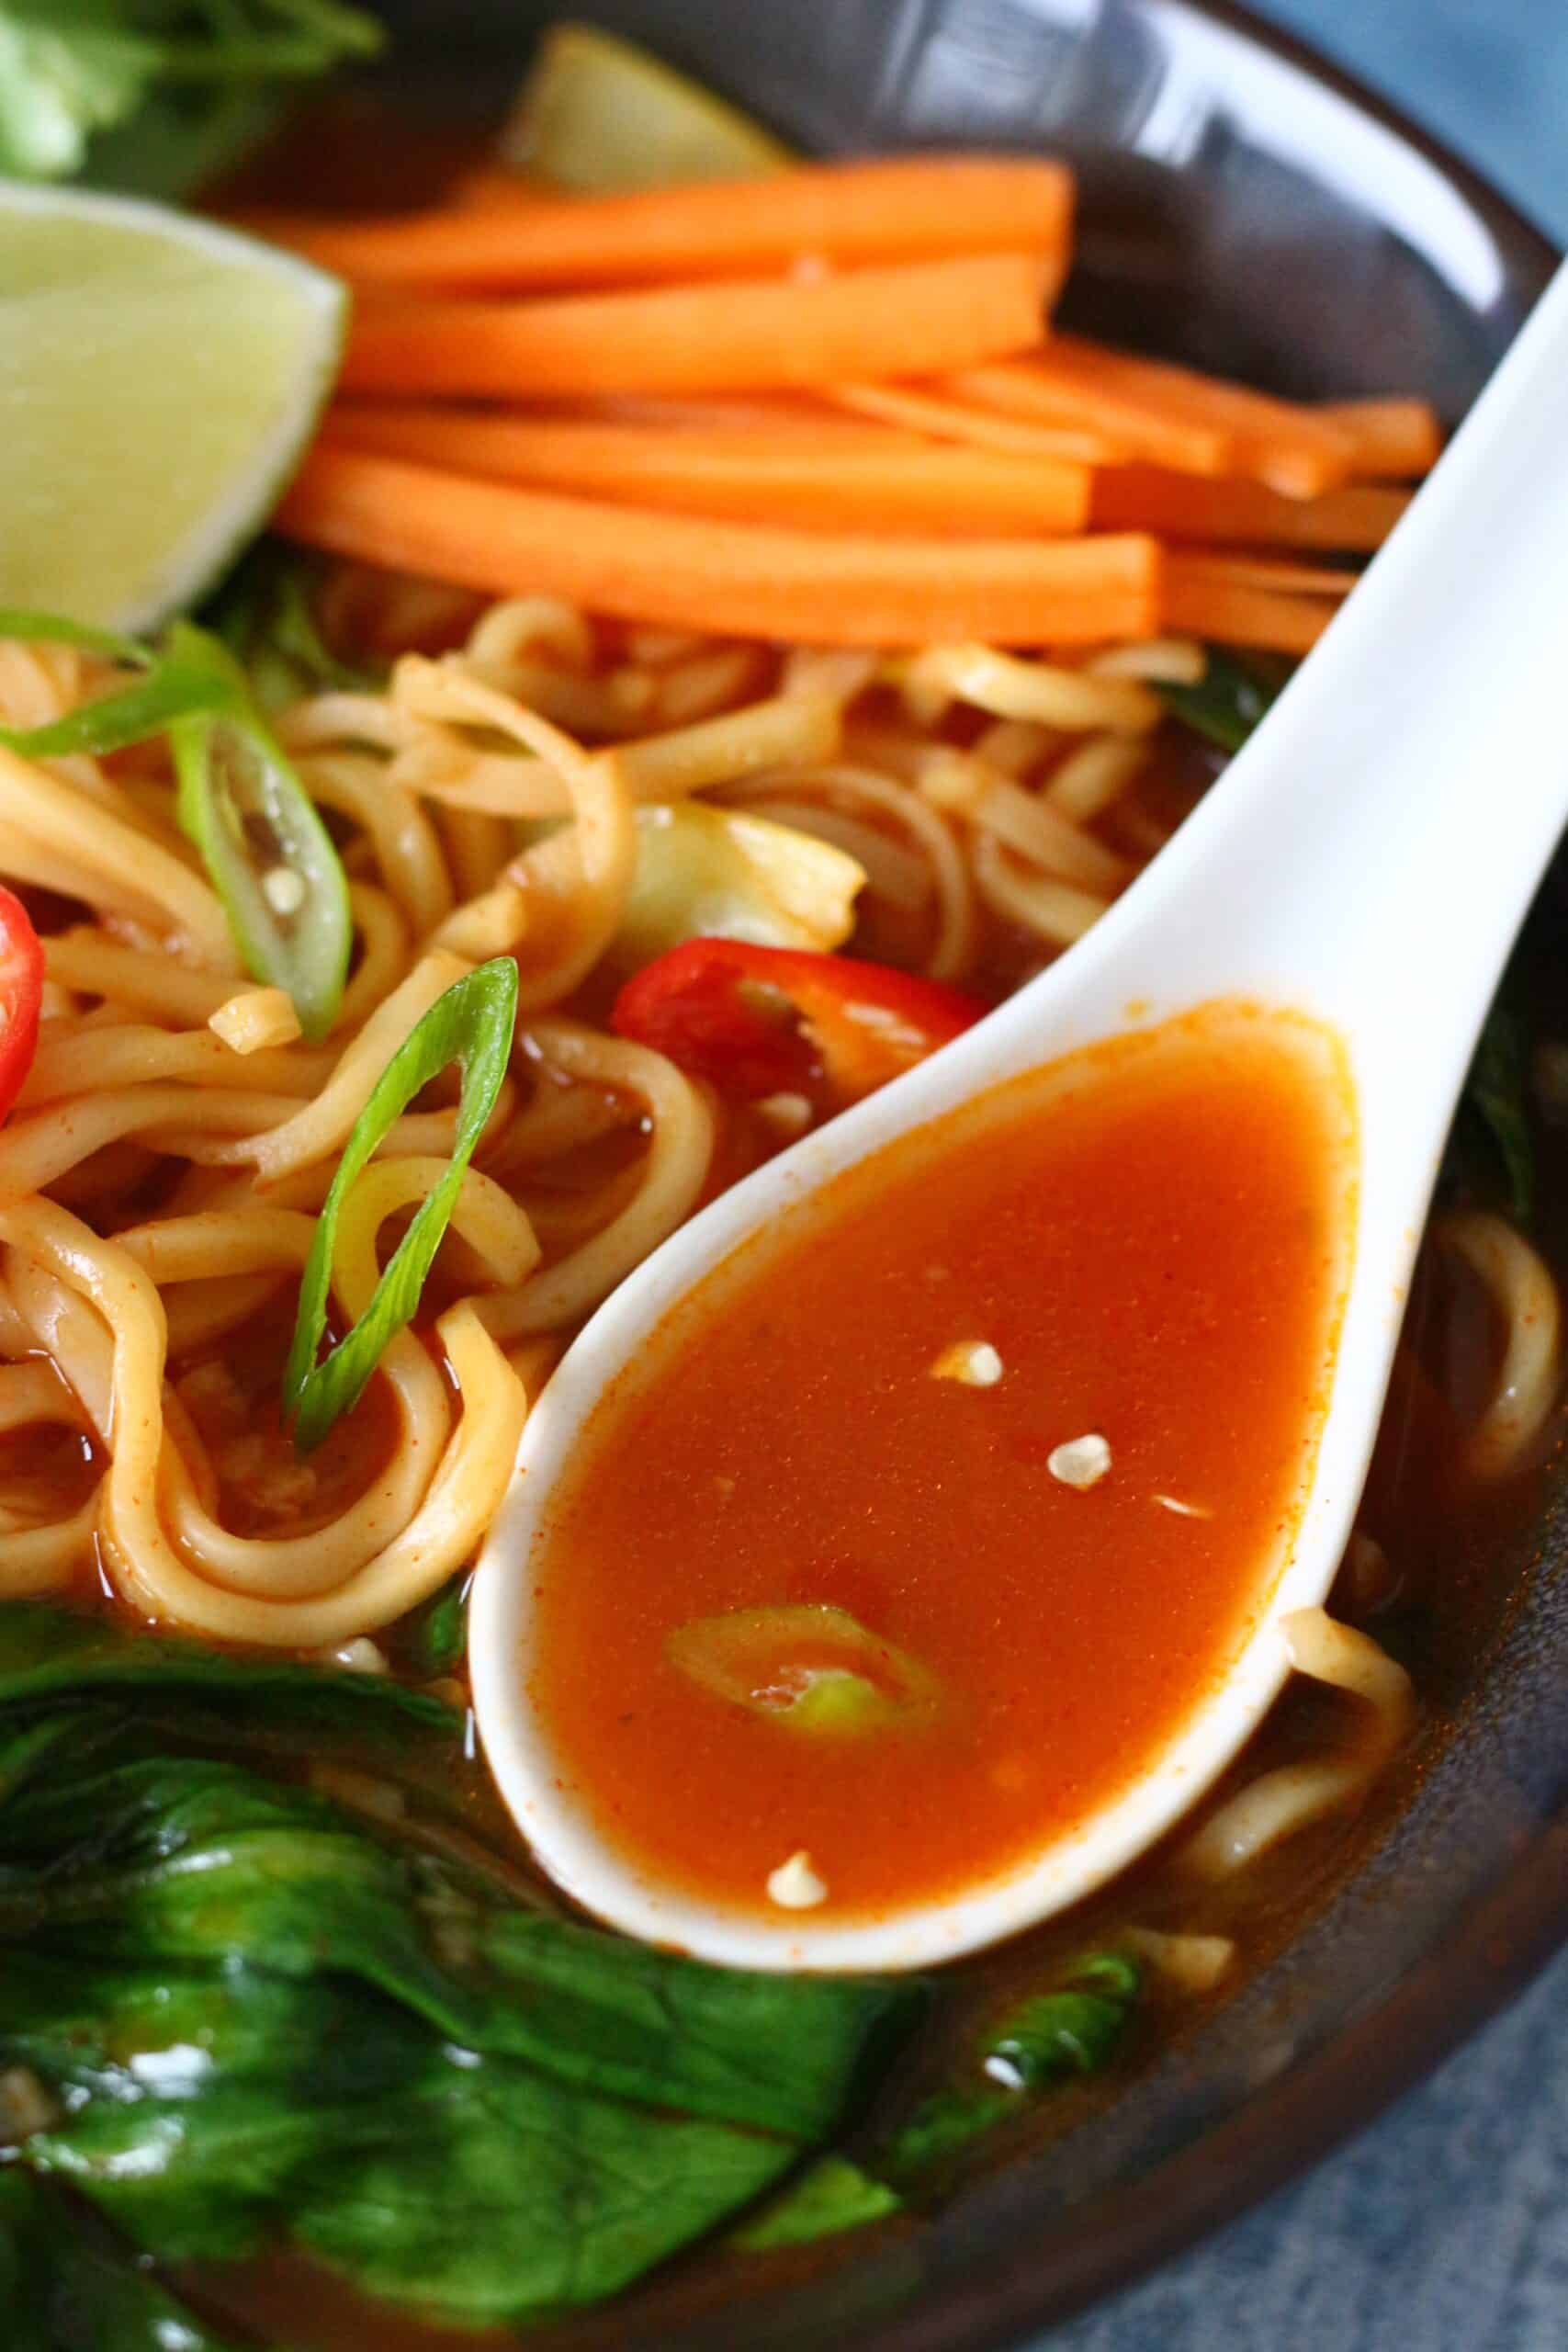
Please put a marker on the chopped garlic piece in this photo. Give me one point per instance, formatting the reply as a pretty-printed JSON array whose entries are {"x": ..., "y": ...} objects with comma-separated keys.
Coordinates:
[
  {"x": 795, "y": 1885},
  {"x": 975, "y": 1362},
  {"x": 1082, "y": 1462},
  {"x": 359, "y": 1656},
  {"x": 255, "y": 1018},
  {"x": 791, "y": 1113},
  {"x": 1184, "y": 1510},
  {"x": 283, "y": 889},
  {"x": 1196, "y": 1963}
]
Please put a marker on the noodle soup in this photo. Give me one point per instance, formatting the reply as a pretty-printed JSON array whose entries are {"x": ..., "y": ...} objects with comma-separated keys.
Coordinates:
[{"x": 394, "y": 957}]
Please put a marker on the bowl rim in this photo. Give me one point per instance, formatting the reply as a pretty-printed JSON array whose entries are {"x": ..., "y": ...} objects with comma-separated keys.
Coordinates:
[{"x": 1113, "y": 2240}]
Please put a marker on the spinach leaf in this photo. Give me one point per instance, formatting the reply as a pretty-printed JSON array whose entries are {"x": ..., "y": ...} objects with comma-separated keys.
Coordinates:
[
  {"x": 1227, "y": 702},
  {"x": 262, "y": 2019},
  {"x": 1496, "y": 1093},
  {"x": 64, "y": 2288}
]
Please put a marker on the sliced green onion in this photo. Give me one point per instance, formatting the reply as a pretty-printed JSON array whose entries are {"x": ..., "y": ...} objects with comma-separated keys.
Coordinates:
[
  {"x": 471, "y": 1024},
  {"x": 52, "y": 628},
  {"x": 809, "y": 1666},
  {"x": 173, "y": 682},
  {"x": 267, "y": 854}
]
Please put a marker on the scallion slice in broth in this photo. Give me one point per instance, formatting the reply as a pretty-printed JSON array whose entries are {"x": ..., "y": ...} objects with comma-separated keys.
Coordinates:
[
  {"x": 471, "y": 1024},
  {"x": 809, "y": 1666},
  {"x": 267, "y": 852}
]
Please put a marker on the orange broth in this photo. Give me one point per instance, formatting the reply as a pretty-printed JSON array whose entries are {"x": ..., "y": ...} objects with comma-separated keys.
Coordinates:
[{"x": 1153, "y": 1238}]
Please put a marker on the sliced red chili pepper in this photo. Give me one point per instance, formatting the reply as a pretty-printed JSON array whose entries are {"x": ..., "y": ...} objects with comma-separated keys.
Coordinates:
[
  {"x": 760, "y": 1020},
  {"x": 21, "y": 994}
]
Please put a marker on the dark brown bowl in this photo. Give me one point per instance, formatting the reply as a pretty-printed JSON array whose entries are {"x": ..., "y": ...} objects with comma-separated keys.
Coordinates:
[{"x": 1248, "y": 209}]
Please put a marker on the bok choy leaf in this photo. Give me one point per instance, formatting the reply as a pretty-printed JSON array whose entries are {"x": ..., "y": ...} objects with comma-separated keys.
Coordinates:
[
  {"x": 471, "y": 1024},
  {"x": 253, "y": 2019}
]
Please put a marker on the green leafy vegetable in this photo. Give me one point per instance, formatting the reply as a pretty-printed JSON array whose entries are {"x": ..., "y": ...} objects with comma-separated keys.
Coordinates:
[
  {"x": 470, "y": 1024},
  {"x": 1227, "y": 702},
  {"x": 266, "y": 615},
  {"x": 256, "y": 2019},
  {"x": 829, "y": 2196},
  {"x": 156, "y": 95},
  {"x": 50, "y": 1658},
  {"x": 1070, "y": 2033},
  {"x": 267, "y": 852},
  {"x": 1496, "y": 1095},
  {"x": 1075, "y": 2030},
  {"x": 809, "y": 1666},
  {"x": 66, "y": 2287},
  {"x": 439, "y": 1633}
]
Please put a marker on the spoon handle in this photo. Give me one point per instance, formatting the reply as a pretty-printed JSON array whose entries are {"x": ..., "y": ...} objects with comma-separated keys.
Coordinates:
[{"x": 1369, "y": 854}]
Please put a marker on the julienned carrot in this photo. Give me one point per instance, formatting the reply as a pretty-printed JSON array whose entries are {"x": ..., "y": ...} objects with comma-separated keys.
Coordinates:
[
  {"x": 921, "y": 409},
  {"x": 1246, "y": 570},
  {"x": 1200, "y": 599},
  {"x": 759, "y": 335},
  {"x": 894, "y": 482},
  {"x": 1186, "y": 506},
  {"x": 1173, "y": 416},
  {"x": 1396, "y": 439},
  {"x": 899, "y": 209},
  {"x": 793, "y": 415},
  {"x": 1126, "y": 423},
  {"x": 736, "y": 578}
]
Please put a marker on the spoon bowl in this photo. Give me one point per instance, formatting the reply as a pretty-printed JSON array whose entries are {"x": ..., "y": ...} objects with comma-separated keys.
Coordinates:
[{"x": 1346, "y": 868}]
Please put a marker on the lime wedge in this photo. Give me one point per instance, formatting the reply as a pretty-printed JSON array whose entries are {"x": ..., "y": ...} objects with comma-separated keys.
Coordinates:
[
  {"x": 158, "y": 377},
  {"x": 598, "y": 113}
]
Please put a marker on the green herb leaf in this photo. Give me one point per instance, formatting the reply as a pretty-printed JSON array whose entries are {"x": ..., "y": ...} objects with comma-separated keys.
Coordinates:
[
  {"x": 258, "y": 2019},
  {"x": 1227, "y": 702},
  {"x": 1497, "y": 1091},
  {"x": 829, "y": 2197},
  {"x": 156, "y": 94},
  {"x": 267, "y": 852},
  {"x": 471, "y": 1024}
]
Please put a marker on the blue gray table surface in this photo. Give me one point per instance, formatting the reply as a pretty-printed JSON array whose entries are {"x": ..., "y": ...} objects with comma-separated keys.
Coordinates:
[{"x": 1444, "y": 2228}]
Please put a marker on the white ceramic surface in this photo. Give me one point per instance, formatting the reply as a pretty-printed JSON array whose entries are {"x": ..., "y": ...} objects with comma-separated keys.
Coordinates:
[{"x": 1366, "y": 860}]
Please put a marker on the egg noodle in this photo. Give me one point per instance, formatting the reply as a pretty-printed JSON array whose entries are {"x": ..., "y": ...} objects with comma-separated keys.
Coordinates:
[{"x": 161, "y": 1177}]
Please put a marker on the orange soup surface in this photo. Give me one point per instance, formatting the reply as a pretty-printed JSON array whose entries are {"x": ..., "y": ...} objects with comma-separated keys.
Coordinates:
[{"x": 806, "y": 1591}]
